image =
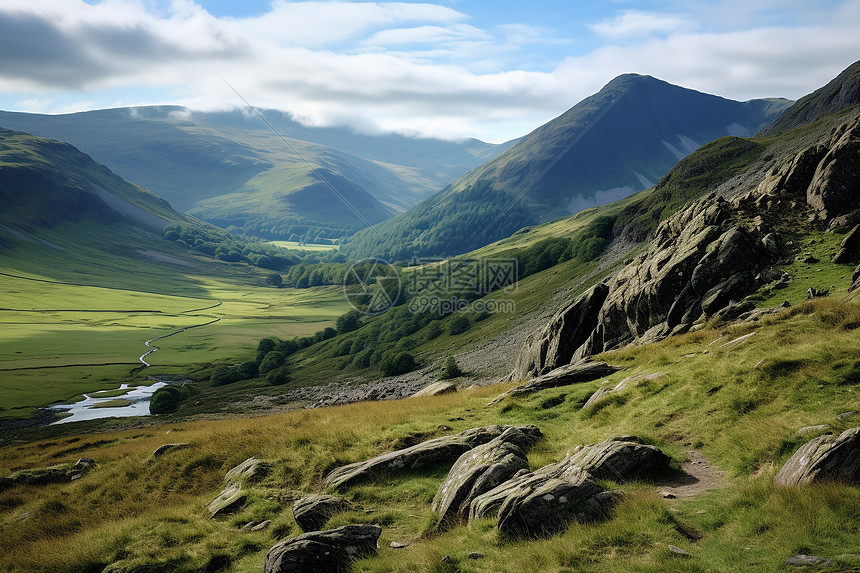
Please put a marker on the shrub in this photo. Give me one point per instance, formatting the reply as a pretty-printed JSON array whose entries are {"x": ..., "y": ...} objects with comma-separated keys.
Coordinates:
[
  {"x": 249, "y": 369},
  {"x": 225, "y": 375},
  {"x": 459, "y": 324},
  {"x": 451, "y": 370},
  {"x": 271, "y": 361},
  {"x": 166, "y": 399},
  {"x": 400, "y": 363},
  {"x": 279, "y": 376}
]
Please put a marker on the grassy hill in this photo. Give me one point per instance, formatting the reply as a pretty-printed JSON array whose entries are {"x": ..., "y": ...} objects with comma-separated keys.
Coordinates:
[
  {"x": 738, "y": 407},
  {"x": 230, "y": 168},
  {"x": 621, "y": 140}
]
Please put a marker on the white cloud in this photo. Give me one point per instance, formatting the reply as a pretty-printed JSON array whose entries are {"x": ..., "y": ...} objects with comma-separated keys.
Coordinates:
[
  {"x": 411, "y": 68},
  {"x": 636, "y": 24}
]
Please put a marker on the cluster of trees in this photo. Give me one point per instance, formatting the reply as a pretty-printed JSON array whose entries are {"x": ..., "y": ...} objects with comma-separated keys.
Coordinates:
[
  {"x": 294, "y": 231},
  {"x": 428, "y": 231},
  {"x": 585, "y": 246},
  {"x": 166, "y": 399},
  {"x": 227, "y": 247}
]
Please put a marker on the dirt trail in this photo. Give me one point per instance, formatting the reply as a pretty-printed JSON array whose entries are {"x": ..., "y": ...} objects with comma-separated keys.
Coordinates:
[{"x": 700, "y": 476}]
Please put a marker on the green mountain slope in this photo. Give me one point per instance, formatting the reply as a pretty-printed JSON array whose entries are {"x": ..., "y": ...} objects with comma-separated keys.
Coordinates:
[
  {"x": 619, "y": 141},
  {"x": 231, "y": 166},
  {"x": 66, "y": 217},
  {"x": 841, "y": 92}
]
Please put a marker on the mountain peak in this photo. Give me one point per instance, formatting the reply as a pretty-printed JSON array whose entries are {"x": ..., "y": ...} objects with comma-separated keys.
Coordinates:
[{"x": 840, "y": 93}]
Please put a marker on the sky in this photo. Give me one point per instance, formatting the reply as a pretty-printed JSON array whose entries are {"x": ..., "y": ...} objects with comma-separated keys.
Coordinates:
[{"x": 452, "y": 69}]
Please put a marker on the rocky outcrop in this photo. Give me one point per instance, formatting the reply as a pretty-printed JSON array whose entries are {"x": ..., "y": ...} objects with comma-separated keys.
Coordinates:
[
  {"x": 563, "y": 376},
  {"x": 849, "y": 249},
  {"x": 52, "y": 474},
  {"x": 548, "y": 499},
  {"x": 619, "y": 459},
  {"x": 329, "y": 551},
  {"x": 855, "y": 280},
  {"x": 436, "y": 389},
  {"x": 233, "y": 497},
  {"x": 835, "y": 187},
  {"x": 541, "y": 502},
  {"x": 251, "y": 470},
  {"x": 697, "y": 264},
  {"x": 553, "y": 345},
  {"x": 426, "y": 454},
  {"x": 313, "y": 511},
  {"x": 478, "y": 471},
  {"x": 605, "y": 391},
  {"x": 825, "y": 458},
  {"x": 161, "y": 450}
]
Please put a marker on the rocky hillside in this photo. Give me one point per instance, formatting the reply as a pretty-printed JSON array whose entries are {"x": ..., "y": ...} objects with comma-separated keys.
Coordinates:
[
  {"x": 706, "y": 258},
  {"x": 621, "y": 140}
]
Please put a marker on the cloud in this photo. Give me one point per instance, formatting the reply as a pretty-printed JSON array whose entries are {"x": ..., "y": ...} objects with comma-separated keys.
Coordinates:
[
  {"x": 637, "y": 24},
  {"x": 386, "y": 66}
]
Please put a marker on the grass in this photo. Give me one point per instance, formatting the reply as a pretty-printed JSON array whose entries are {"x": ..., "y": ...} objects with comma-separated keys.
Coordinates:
[
  {"x": 306, "y": 247},
  {"x": 45, "y": 343},
  {"x": 740, "y": 404}
]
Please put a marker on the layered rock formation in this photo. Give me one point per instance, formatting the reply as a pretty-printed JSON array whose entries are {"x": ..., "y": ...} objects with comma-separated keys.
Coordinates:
[
  {"x": 426, "y": 454},
  {"x": 825, "y": 458}
]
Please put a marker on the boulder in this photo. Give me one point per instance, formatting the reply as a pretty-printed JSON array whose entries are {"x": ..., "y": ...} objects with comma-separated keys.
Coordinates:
[
  {"x": 161, "y": 450},
  {"x": 628, "y": 382},
  {"x": 250, "y": 470},
  {"x": 437, "y": 388},
  {"x": 553, "y": 345},
  {"x": 825, "y": 458},
  {"x": 230, "y": 500},
  {"x": 329, "y": 551},
  {"x": 619, "y": 459},
  {"x": 543, "y": 502},
  {"x": 313, "y": 511},
  {"x": 855, "y": 280},
  {"x": 442, "y": 450},
  {"x": 60, "y": 473},
  {"x": 476, "y": 472},
  {"x": 563, "y": 376},
  {"x": 835, "y": 187},
  {"x": 849, "y": 248}
]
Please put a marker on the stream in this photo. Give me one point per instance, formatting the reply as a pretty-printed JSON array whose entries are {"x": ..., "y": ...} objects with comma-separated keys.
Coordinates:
[{"x": 87, "y": 408}]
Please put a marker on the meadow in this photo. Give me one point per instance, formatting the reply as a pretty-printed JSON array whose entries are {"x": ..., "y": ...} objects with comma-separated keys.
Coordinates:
[
  {"x": 739, "y": 405},
  {"x": 58, "y": 340}
]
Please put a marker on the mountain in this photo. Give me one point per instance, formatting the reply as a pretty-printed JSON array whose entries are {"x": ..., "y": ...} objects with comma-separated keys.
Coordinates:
[
  {"x": 621, "y": 140},
  {"x": 841, "y": 92},
  {"x": 64, "y": 212},
  {"x": 231, "y": 169},
  {"x": 763, "y": 222}
]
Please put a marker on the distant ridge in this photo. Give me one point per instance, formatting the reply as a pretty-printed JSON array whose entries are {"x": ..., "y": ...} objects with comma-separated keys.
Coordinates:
[{"x": 841, "y": 92}]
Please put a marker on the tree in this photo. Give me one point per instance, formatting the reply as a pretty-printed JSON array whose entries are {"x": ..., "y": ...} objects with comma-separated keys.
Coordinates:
[
  {"x": 451, "y": 370},
  {"x": 249, "y": 369},
  {"x": 399, "y": 363},
  {"x": 274, "y": 280},
  {"x": 348, "y": 322},
  {"x": 279, "y": 376},
  {"x": 271, "y": 361},
  {"x": 166, "y": 399}
]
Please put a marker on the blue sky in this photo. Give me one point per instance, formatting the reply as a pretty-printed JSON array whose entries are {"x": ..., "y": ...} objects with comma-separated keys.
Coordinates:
[{"x": 450, "y": 68}]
